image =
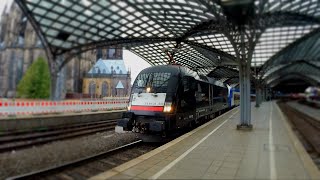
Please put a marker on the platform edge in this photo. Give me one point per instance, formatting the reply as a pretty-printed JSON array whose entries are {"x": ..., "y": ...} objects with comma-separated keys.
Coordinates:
[{"x": 308, "y": 163}]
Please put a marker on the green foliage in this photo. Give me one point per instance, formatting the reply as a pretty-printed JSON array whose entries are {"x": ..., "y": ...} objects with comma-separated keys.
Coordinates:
[{"x": 36, "y": 81}]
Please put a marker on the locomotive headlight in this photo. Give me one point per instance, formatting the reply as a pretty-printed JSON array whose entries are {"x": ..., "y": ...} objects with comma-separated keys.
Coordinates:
[
  {"x": 148, "y": 89},
  {"x": 129, "y": 107},
  {"x": 167, "y": 107}
]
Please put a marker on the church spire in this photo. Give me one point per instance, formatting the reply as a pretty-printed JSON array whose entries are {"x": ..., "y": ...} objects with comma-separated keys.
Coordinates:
[{"x": 5, "y": 9}]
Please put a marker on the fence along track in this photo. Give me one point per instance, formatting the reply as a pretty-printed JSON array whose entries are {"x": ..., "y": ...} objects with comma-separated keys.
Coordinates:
[{"x": 17, "y": 108}]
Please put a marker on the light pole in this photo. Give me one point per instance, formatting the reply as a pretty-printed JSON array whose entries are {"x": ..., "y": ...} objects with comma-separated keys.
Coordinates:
[
  {"x": 93, "y": 82},
  {"x": 90, "y": 85},
  {"x": 97, "y": 84}
]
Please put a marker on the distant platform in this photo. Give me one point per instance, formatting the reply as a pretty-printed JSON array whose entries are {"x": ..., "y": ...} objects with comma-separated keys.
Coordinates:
[
  {"x": 216, "y": 150},
  {"x": 312, "y": 112}
]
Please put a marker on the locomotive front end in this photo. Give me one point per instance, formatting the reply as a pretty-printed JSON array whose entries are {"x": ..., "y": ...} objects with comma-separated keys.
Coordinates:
[{"x": 152, "y": 103}]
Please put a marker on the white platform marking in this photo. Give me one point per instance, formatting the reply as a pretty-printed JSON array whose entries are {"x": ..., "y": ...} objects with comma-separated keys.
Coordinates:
[{"x": 273, "y": 173}]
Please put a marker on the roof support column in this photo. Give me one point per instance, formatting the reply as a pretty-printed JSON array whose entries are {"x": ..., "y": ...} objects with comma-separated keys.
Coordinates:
[
  {"x": 245, "y": 104},
  {"x": 57, "y": 79},
  {"x": 267, "y": 94},
  {"x": 257, "y": 97},
  {"x": 258, "y": 94},
  {"x": 245, "y": 72},
  {"x": 263, "y": 92}
]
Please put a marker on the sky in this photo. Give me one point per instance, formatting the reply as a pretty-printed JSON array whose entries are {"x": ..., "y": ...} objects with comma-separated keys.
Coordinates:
[
  {"x": 135, "y": 63},
  {"x": 132, "y": 61}
]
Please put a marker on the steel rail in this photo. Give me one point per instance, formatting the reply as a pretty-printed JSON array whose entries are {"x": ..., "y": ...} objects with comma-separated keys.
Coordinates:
[
  {"x": 12, "y": 142},
  {"x": 75, "y": 163}
]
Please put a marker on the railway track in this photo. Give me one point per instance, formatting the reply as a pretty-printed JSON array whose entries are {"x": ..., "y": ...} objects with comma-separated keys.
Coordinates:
[
  {"x": 93, "y": 165},
  {"x": 307, "y": 129},
  {"x": 17, "y": 140},
  {"x": 312, "y": 105}
]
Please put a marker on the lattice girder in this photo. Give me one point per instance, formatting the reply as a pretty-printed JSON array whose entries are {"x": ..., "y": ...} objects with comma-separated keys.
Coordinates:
[{"x": 207, "y": 38}]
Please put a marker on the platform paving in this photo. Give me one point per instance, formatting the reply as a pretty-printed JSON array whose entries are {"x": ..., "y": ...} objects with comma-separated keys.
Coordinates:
[{"x": 216, "y": 150}]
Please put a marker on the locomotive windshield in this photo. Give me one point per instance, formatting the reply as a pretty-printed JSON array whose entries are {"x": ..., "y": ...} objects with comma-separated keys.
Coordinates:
[{"x": 156, "y": 82}]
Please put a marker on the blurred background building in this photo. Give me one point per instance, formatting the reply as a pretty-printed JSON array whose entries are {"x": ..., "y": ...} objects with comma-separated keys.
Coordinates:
[
  {"x": 109, "y": 76},
  {"x": 20, "y": 46}
]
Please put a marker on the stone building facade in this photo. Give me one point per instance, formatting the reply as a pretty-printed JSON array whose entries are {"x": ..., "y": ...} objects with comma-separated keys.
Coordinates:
[
  {"x": 20, "y": 46},
  {"x": 108, "y": 77}
]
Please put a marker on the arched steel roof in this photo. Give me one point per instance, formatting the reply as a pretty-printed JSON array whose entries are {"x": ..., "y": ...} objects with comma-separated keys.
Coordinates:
[
  {"x": 197, "y": 31},
  {"x": 307, "y": 78},
  {"x": 303, "y": 55},
  {"x": 310, "y": 71},
  {"x": 305, "y": 48}
]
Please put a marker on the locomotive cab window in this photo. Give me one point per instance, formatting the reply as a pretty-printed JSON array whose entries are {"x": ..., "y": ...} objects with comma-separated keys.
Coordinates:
[{"x": 157, "y": 82}]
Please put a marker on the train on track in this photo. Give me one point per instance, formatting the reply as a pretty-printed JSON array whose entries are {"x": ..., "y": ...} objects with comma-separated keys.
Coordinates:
[
  {"x": 169, "y": 97},
  {"x": 312, "y": 96}
]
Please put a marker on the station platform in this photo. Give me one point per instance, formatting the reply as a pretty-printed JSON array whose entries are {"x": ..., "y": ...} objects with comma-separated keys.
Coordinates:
[
  {"x": 312, "y": 112},
  {"x": 216, "y": 150}
]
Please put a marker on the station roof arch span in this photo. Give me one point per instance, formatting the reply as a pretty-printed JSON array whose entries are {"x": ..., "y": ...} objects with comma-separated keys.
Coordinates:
[
  {"x": 311, "y": 79},
  {"x": 301, "y": 69},
  {"x": 301, "y": 58},
  {"x": 201, "y": 30}
]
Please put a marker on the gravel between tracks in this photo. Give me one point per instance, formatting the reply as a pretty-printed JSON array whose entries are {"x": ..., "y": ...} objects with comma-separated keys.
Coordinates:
[{"x": 58, "y": 152}]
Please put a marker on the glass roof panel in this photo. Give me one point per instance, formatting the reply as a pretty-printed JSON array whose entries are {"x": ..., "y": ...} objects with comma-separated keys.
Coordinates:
[
  {"x": 52, "y": 32},
  {"x": 200, "y": 27},
  {"x": 71, "y": 14},
  {"x": 217, "y": 41},
  {"x": 308, "y": 7},
  {"x": 34, "y": 1},
  {"x": 141, "y": 13}
]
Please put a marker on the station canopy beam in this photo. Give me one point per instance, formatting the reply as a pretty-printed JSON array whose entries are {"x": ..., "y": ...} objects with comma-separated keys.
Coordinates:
[{"x": 240, "y": 35}]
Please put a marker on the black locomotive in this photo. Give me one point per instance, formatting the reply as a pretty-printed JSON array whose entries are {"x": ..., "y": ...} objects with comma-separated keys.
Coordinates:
[{"x": 165, "y": 98}]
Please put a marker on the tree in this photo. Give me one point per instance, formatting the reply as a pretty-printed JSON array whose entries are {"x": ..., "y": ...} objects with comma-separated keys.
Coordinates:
[{"x": 36, "y": 81}]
